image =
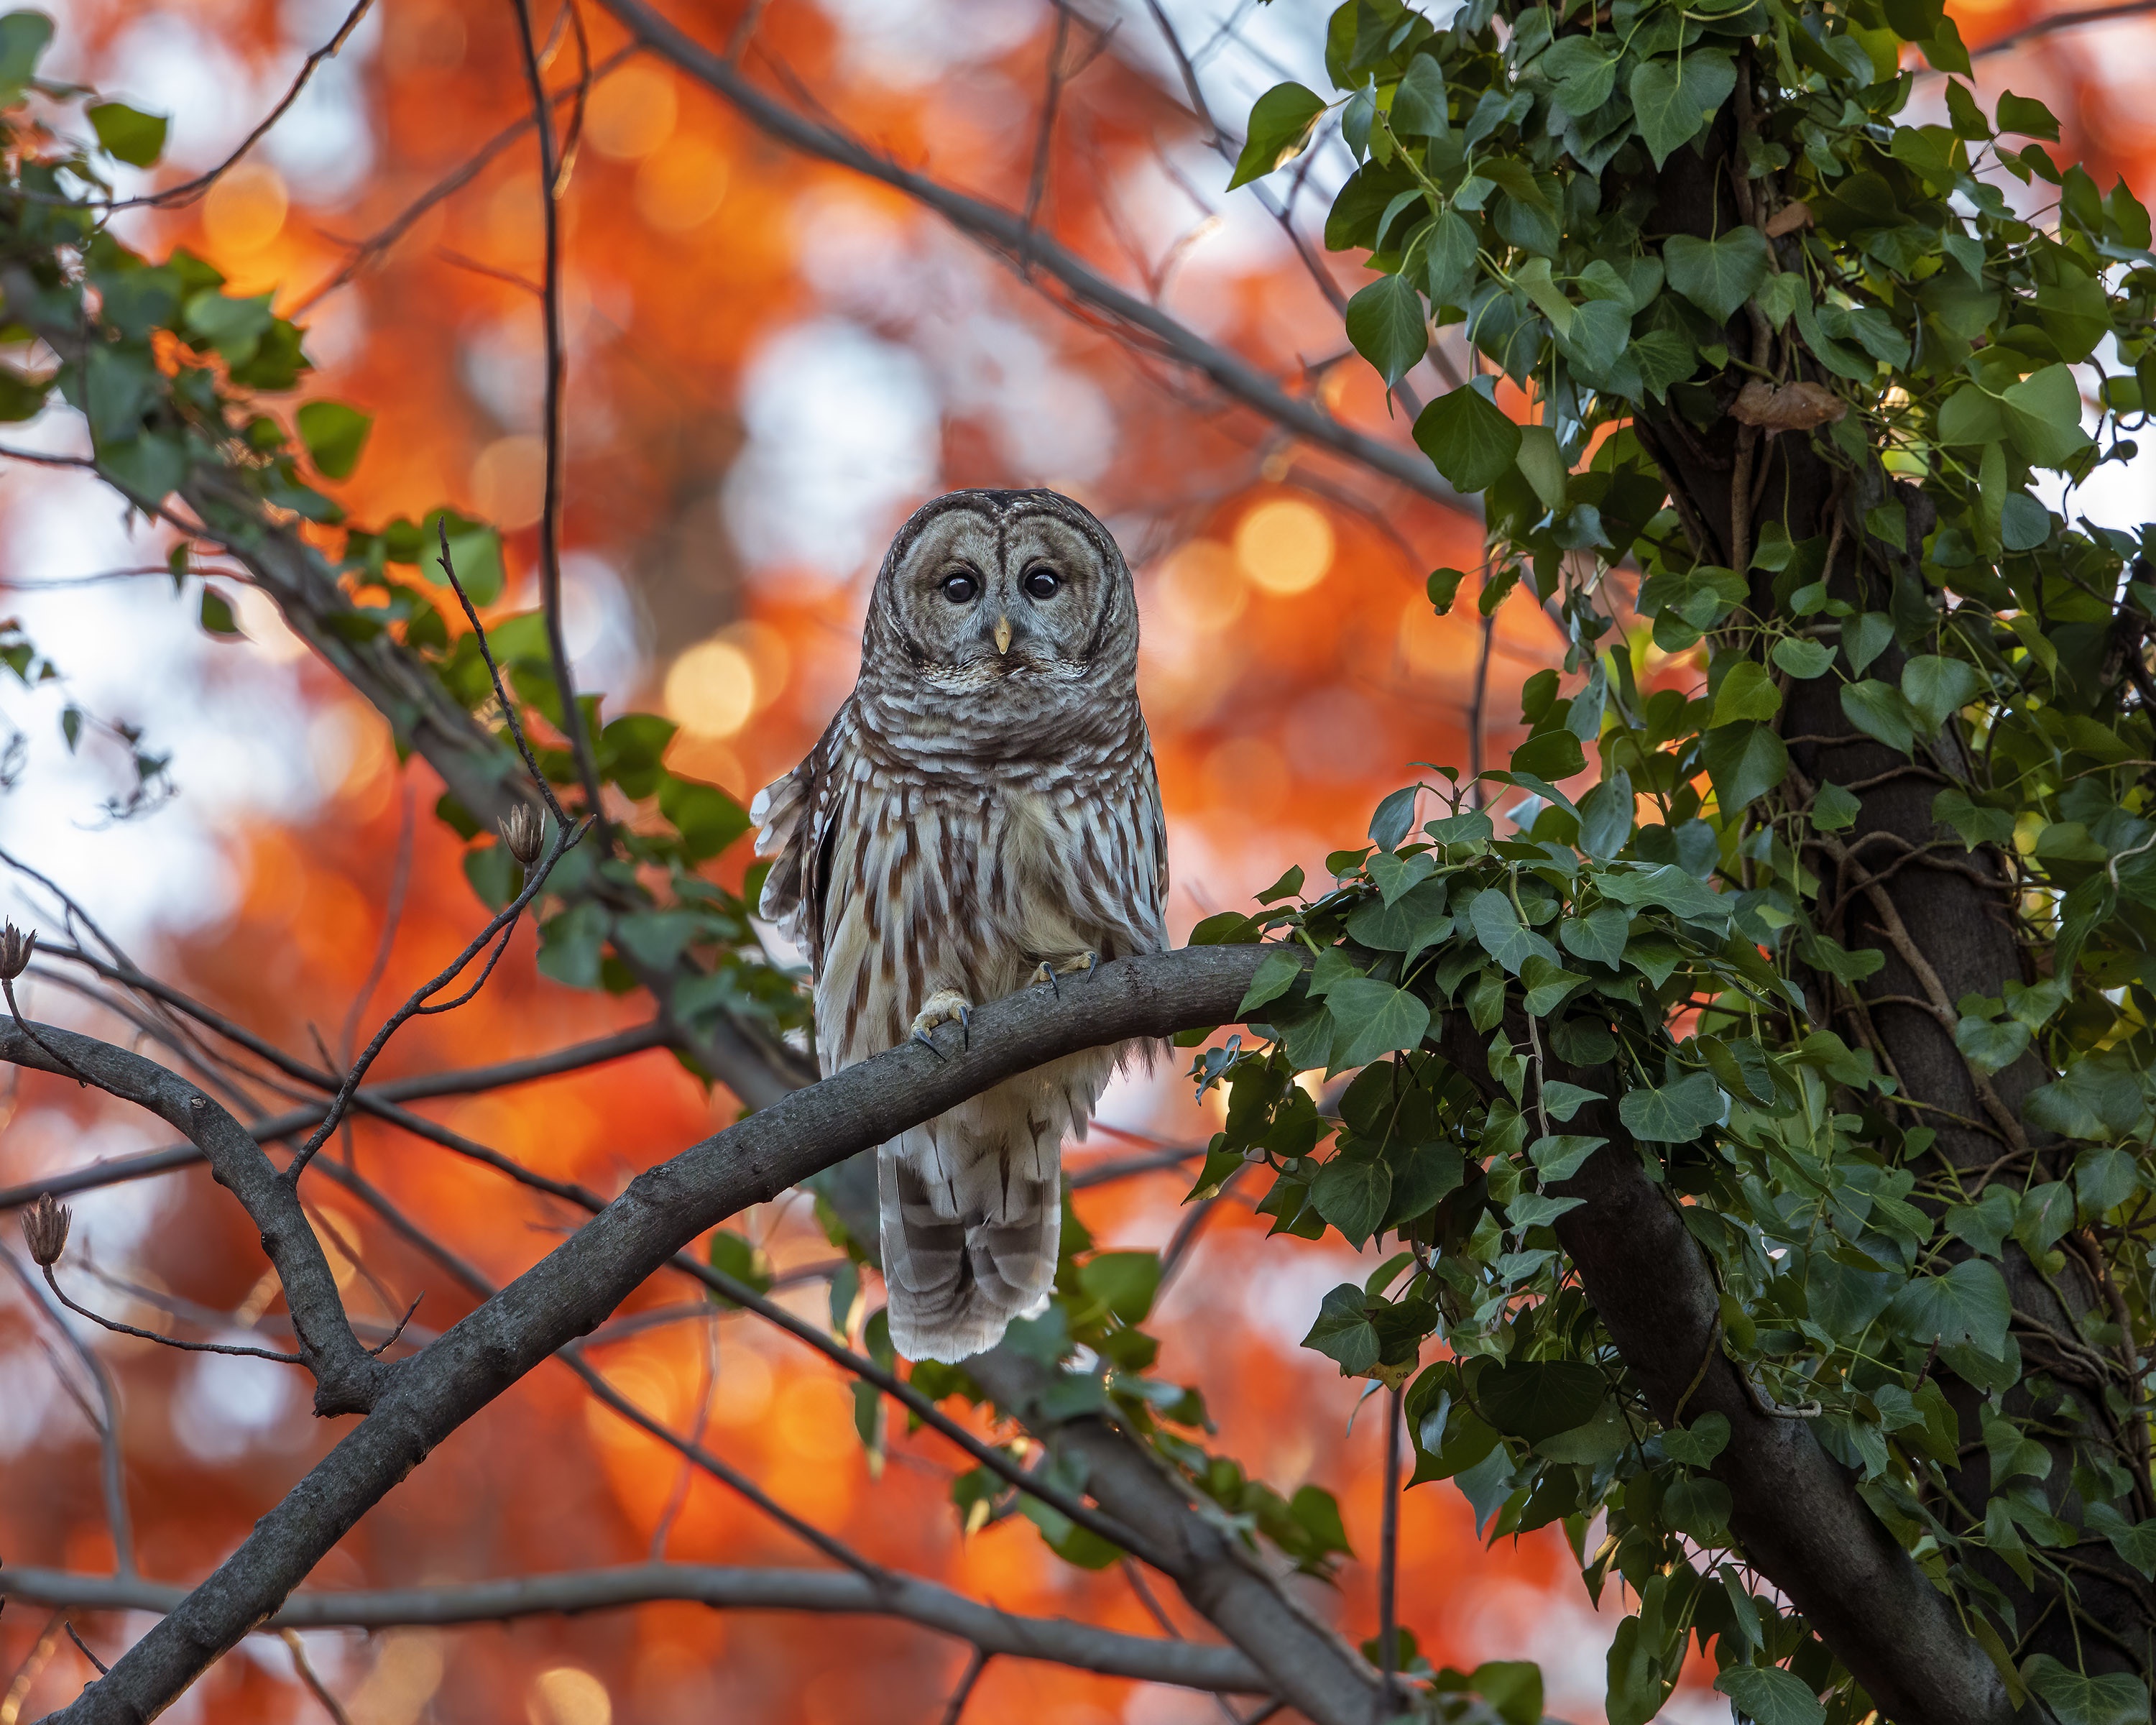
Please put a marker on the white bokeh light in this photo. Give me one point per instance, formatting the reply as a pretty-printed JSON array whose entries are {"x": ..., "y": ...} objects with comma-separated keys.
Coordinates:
[{"x": 843, "y": 434}]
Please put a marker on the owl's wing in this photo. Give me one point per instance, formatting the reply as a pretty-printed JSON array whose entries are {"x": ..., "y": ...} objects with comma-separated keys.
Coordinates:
[{"x": 794, "y": 820}]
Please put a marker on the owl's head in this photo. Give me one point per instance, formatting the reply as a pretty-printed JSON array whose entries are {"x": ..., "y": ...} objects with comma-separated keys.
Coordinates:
[{"x": 1017, "y": 598}]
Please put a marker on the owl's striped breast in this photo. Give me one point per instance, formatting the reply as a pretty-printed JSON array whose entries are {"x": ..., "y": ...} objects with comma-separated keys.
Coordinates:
[{"x": 968, "y": 886}]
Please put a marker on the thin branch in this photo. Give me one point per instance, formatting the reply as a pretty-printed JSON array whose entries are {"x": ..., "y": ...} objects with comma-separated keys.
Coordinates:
[
  {"x": 557, "y": 379},
  {"x": 1077, "y": 1646},
  {"x": 187, "y": 191},
  {"x": 400, "y": 880},
  {"x": 120, "y": 1329},
  {"x": 112, "y": 1468},
  {"x": 979, "y": 1662},
  {"x": 503, "y": 923},
  {"x": 2059, "y": 21},
  {"x": 346, "y": 1380},
  {"x": 365, "y": 251},
  {"x": 422, "y": 1400},
  {"x": 81, "y": 1647},
  {"x": 308, "y": 1676},
  {"x": 1003, "y": 231},
  {"x": 1045, "y": 143},
  {"x": 1388, "y": 1555},
  {"x": 376, "y": 1099}
]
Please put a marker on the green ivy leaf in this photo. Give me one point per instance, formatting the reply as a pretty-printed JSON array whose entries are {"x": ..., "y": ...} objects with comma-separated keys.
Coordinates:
[
  {"x": 217, "y": 616},
  {"x": 1745, "y": 761},
  {"x": 1881, "y": 713},
  {"x": 1802, "y": 659},
  {"x": 1967, "y": 1305},
  {"x": 1385, "y": 324},
  {"x": 1717, "y": 275},
  {"x": 1343, "y": 1333},
  {"x": 1352, "y": 1193},
  {"x": 126, "y": 134},
  {"x": 1771, "y": 1695},
  {"x": 1672, "y": 99},
  {"x": 1371, "y": 1018},
  {"x": 1672, "y": 1113},
  {"x": 2028, "y": 116},
  {"x": 1124, "y": 1282},
  {"x": 2117, "y": 1698},
  {"x": 1538, "y": 1398},
  {"x": 1988, "y": 1047},
  {"x": 1419, "y": 102},
  {"x": 335, "y": 435},
  {"x": 1747, "y": 692},
  {"x": 1600, "y": 935},
  {"x": 1468, "y": 438},
  {"x": 1498, "y": 928},
  {"x": 1280, "y": 124}
]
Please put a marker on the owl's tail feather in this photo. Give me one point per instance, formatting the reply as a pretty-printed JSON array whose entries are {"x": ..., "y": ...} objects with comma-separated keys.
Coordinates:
[{"x": 956, "y": 1282}]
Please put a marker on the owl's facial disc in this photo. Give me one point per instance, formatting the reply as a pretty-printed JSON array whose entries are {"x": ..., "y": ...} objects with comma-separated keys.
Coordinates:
[{"x": 990, "y": 601}]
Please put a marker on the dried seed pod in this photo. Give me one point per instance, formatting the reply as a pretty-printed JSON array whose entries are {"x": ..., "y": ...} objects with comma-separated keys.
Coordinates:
[
  {"x": 1788, "y": 219},
  {"x": 524, "y": 831},
  {"x": 15, "y": 949},
  {"x": 1794, "y": 407},
  {"x": 45, "y": 1229}
]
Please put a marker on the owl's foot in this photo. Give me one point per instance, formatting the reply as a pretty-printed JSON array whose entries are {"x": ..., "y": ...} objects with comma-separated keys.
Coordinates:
[
  {"x": 1047, "y": 972},
  {"x": 941, "y": 1007}
]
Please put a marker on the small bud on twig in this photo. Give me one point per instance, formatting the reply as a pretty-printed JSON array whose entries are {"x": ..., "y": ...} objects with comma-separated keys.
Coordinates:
[
  {"x": 524, "y": 831},
  {"x": 15, "y": 949},
  {"x": 45, "y": 1229}
]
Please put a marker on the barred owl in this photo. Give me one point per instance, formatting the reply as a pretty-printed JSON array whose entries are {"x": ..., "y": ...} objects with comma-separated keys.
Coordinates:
[{"x": 980, "y": 816}]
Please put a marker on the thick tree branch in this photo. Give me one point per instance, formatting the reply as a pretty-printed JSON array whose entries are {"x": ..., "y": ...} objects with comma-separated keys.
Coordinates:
[
  {"x": 347, "y": 1378},
  {"x": 1312, "y": 1668},
  {"x": 424, "y": 1399},
  {"x": 1007, "y": 234},
  {"x": 1796, "y": 1510},
  {"x": 1080, "y": 1646}
]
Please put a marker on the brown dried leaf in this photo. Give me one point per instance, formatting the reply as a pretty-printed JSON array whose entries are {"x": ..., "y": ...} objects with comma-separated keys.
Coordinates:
[
  {"x": 1788, "y": 219},
  {"x": 1794, "y": 406}
]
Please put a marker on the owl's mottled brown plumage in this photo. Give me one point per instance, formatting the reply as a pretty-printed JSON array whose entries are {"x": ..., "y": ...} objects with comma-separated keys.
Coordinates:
[{"x": 983, "y": 804}]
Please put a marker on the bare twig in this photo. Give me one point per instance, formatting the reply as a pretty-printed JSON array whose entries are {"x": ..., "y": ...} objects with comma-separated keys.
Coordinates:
[
  {"x": 1044, "y": 144},
  {"x": 112, "y": 1468},
  {"x": 346, "y": 1380},
  {"x": 120, "y": 1329},
  {"x": 187, "y": 191},
  {"x": 308, "y": 1676},
  {"x": 1078, "y": 1647},
  {"x": 400, "y": 880},
  {"x": 979, "y": 1662},
  {"x": 1389, "y": 1560},
  {"x": 1003, "y": 231},
  {"x": 379, "y": 1099},
  {"x": 557, "y": 378},
  {"x": 82, "y": 1648},
  {"x": 2062, "y": 21},
  {"x": 422, "y": 1003}
]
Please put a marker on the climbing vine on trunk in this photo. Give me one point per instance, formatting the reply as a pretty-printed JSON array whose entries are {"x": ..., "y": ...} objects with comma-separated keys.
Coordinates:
[{"x": 1841, "y": 968}]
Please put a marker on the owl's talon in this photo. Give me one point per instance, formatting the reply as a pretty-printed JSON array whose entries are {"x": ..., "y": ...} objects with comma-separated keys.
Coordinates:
[
  {"x": 941, "y": 1007},
  {"x": 929, "y": 1043},
  {"x": 1093, "y": 964},
  {"x": 1045, "y": 972}
]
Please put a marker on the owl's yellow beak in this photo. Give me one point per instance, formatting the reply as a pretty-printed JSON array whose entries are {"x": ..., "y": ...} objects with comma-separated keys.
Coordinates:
[{"x": 1002, "y": 634}]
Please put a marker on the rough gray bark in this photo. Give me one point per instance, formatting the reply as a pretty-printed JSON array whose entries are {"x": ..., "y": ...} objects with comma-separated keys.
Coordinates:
[{"x": 423, "y": 1399}]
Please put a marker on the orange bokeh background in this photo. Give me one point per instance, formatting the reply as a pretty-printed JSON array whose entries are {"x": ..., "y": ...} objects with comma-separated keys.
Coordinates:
[{"x": 1292, "y": 671}]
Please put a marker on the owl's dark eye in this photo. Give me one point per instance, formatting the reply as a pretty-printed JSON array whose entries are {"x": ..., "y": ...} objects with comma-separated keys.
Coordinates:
[
  {"x": 960, "y": 589},
  {"x": 1041, "y": 583}
]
